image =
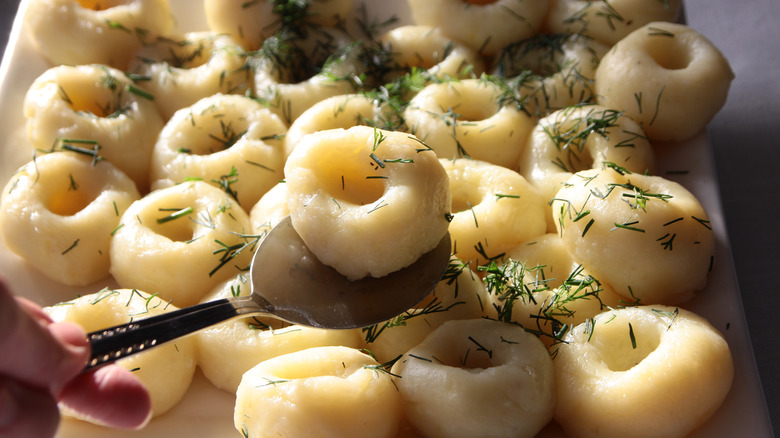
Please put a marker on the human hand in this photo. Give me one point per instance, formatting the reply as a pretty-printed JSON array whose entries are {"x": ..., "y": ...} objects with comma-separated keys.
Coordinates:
[{"x": 41, "y": 364}]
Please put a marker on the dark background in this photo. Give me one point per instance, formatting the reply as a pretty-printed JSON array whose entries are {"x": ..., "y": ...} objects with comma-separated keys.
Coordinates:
[{"x": 7, "y": 12}]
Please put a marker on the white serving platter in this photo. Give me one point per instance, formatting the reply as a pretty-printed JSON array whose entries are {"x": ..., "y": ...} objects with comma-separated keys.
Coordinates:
[{"x": 207, "y": 412}]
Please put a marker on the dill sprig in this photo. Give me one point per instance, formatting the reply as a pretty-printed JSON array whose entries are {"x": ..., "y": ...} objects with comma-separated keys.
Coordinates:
[
  {"x": 393, "y": 98},
  {"x": 637, "y": 197},
  {"x": 225, "y": 182},
  {"x": 176, "y": 214},
  {"x": 605, "y": 12},
  {"x": 434, "y": 305},
  {"x": 513, "y": 283},
  {"x": 383, "y": 367},
  {"x": 514, "y": 91},
  {"x": 609, "y": 14},
  {"x": 521, "y": 69},
  {"x": 377, "y": 58},
  {"x": 71, "y": 247},
  {"x": 293, "y": 14},
  {"x": 82, "y": 146},
  {"x": 539, "y": 54},
  {"x": 506, "y": 281},
  {"x": 571, "y": 133},
  {"x": 228, "y": 135},
  {"x": 116, "y": 105},
  {"x": 299, "y": 50},
  {"x": 228, "y": 253}
]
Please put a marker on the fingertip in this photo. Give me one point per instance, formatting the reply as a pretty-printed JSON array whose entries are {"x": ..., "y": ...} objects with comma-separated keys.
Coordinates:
[
  {"x": 131, "y": 391},
  {"x": 73, "y": 355},
  {"x": 34, "y": 310},
  {"x": 37, "y": 351},
  {"x": 70, "y": 335},
  {"x": 111, "y": 396}
]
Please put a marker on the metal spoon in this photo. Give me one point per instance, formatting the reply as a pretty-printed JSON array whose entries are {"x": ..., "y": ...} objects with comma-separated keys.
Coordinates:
[{"x": 290, "y": 283}]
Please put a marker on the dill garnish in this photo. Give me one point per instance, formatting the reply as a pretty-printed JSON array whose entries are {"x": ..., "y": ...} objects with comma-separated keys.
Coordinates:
[
  {"x": 177, "y": 213},
  {"x": 516, "y": 285}
]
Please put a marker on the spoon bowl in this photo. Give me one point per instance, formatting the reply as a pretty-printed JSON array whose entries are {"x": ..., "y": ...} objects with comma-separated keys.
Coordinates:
[
  {"x": 302, "y": 290},
  {"x": 288, "y": 282}
]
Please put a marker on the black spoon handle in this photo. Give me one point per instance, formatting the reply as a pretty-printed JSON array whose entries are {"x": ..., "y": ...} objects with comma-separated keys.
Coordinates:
[{"x": 120, "y": 341}]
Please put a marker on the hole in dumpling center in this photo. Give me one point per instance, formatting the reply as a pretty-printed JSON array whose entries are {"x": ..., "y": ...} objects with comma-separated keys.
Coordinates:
[
  {"x": 669, "y": 53},
  {"x": 103, "y": 97},
  {"x": 69, "y": 199},
  {"x": 622, "y": 346},
  {"x": 475, "y": 357},
  {"x": 189, "y": 54},
  {"x": 468, "y": 104},
  {"x": 173, "y": 223},
  {"x": 351, "y": 176},
  {"x": 298, "y": 59},
  {"x": 465, "y": 198},
  {"x": 101, "y": 5},
  {"x": 542, "y": 55},
  {"x": 223, "y": 132}
]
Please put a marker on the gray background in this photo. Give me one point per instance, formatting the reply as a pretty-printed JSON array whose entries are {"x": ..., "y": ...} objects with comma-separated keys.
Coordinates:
[{"x": 745, "y": 138}]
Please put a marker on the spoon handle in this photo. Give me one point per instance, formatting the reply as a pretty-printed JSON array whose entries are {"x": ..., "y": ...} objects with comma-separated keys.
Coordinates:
[{"x": 120, "y": 341}]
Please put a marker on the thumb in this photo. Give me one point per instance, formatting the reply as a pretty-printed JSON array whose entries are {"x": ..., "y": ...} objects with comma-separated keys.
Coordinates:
[{"x": 36, "y": 351}]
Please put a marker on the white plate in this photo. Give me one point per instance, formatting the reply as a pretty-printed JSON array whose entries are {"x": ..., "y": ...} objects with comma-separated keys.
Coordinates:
[{"x": 207, "y": 411}]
